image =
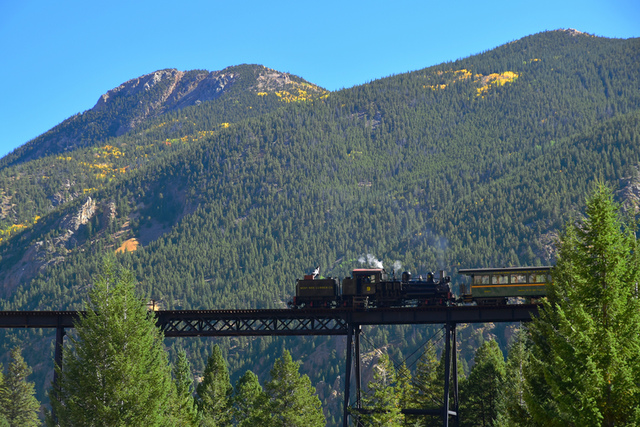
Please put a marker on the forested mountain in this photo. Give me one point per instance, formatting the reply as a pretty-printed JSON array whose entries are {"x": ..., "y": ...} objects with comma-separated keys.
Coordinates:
[{"x": 220, "y": 189}]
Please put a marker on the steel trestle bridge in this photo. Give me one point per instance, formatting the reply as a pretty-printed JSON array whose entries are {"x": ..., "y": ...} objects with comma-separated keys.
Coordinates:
[{"x": 340, "y": 321}]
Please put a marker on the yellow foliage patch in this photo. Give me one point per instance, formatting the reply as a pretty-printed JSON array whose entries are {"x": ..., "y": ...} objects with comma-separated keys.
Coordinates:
[
  {"x": 495, "y": 80},
  {"x": 492, "y": 80},
  {"x": 301, "y": 92},
  {"x": 130, "y": 245},
  {"x": 457, "y": 75},
  {"x": 192, "y": 137},
  {"x": 110, "y": 150},
  {"x": 12, "y": 229}
]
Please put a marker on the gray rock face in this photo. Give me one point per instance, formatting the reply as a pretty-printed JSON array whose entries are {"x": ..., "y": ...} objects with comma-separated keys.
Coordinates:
[
  {"x": 83, "y": 216},
  {"x": 176, "y": 90},
  {"x": 629, "y": 192}
]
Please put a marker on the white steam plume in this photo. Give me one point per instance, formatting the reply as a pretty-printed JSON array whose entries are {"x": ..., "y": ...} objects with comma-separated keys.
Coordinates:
[{"x": 370, "y": 260}]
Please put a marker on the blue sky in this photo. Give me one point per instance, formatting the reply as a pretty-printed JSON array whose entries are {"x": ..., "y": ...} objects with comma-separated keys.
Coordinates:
[{"x": 57, "y": 58}]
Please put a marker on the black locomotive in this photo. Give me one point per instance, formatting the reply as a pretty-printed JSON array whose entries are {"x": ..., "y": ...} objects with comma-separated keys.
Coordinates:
[{"x": 372, "y": 287}]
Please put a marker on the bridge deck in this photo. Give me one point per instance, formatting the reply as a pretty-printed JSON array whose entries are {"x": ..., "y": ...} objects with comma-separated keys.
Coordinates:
[{"x": 286, "y": 322}]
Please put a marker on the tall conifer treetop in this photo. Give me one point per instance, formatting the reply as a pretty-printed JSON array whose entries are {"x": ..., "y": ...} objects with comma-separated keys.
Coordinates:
[
  {"x": 585, "y": 365},
  {"x": 384, "y": 397},
  {"x": 18, "y": 405},
  {"x": 214, "y": 392},
  {"x": 292, "y": 399},
  {"x": 116, "y": 372}
]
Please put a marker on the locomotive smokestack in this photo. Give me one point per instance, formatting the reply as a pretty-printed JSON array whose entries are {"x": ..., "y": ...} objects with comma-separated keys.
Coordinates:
[{"x": 442, "y": 275}]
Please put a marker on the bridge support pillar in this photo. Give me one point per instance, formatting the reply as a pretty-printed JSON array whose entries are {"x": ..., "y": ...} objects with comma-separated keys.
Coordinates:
[
  {"x": 358, "y": 374},
  {"x": 455, "y": 377},
  {"x": 58, "y": 361},
  {"x": 60, "y": 333},
  {"x": 450, "y": 338},
  {"x": 347, "y": 376}
]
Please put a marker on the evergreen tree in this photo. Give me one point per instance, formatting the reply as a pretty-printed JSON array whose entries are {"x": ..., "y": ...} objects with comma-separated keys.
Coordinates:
[
  {"x": 18, "y": 403},
  {"x": 214, "y": 392},
  {"x": 292, "y": 399},
  {"x": 512, "y": 409},
  {"x": 479, "y": 394},
  {"x": 116, "y": 372},
  {"x": 403, "y": 383},
  {"x": 3, "y": 419},
  {"x": 428, "y": 387},
  {"x": 186, "y": 412},
  {"x": 404, "y": 388},
  {"x": 248, "y": 401},
  {"x": 384, "y": 403},
  {"x": 584, "y": 368}
]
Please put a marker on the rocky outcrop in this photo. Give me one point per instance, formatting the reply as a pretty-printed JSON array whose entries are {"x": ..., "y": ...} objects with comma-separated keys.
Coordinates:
[
  {"x": 629, "y": 193},
  {"x": 546, "y": 245},
  {"x": 133, "y": 86},
  {"x": 41, "y": 254},
  {"x": 270, "y": 79},
  {"x": 573, "y": 32},
  {"x": 175, "y": 90},
  {"x": 72, "y": 223}
]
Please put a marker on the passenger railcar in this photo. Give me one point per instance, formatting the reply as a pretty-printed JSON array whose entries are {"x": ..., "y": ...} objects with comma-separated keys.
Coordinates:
[{"x": 494, "y": 286}]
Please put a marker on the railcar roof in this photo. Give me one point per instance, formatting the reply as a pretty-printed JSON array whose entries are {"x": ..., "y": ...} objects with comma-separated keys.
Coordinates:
[{"x": 505, "y": 270}]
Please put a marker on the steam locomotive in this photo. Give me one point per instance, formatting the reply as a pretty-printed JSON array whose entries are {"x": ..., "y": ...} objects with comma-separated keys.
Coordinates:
[{"x": 372, "y": 287}]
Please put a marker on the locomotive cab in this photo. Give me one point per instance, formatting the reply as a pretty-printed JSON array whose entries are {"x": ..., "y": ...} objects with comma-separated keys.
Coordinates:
[{"x": 363, "y": 282}]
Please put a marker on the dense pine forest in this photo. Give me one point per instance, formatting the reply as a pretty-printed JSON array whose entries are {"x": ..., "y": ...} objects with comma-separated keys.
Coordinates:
[{"x": 217, "y": 190}]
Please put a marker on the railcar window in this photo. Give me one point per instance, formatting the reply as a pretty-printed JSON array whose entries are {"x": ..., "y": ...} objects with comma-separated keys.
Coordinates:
[
  {"x": 500, "y": 279},
  {"x": 481, "y": 279},
  {"x": 518, "y": 278},
  {"x": 538, "y": 278}
]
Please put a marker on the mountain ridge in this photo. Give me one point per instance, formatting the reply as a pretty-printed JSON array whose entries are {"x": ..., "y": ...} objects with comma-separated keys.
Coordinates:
[{"x": 152, "y": 95}]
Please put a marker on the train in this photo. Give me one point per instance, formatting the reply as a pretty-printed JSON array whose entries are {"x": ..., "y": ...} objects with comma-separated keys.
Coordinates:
[
  {"x": 375, "y": 288},
  {"x": 371, "y": 287}
]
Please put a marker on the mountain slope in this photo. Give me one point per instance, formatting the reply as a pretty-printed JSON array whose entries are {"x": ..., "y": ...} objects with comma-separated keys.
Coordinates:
[{"x": 431, "y": 142}]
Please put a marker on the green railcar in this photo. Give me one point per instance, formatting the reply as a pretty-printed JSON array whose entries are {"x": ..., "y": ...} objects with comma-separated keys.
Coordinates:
[{"x": 496, "y": 285}]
